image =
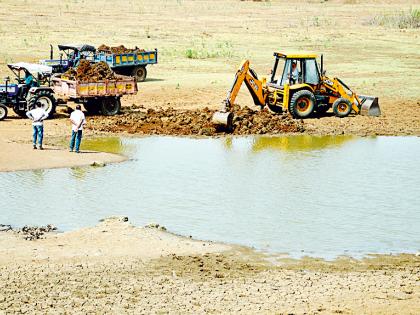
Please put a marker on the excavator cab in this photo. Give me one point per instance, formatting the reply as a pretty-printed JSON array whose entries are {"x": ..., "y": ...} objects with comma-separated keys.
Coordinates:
[
  {"x": 298, "y": 84},
  {"x": 295, "y": 71}
]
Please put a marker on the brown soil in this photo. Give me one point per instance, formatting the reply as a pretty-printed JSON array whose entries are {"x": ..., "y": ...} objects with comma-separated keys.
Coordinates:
[
  {"x": 169, "y": 121},
  {"x": 121, "y": 49},
  {"x": 88, "y": 72}
]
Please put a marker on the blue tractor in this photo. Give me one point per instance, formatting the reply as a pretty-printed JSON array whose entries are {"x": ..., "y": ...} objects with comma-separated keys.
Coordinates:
[{"x": 32, "y": 86}]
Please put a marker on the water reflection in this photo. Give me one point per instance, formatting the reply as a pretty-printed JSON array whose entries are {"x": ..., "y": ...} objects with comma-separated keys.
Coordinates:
[{"x": 299, "y": 143}]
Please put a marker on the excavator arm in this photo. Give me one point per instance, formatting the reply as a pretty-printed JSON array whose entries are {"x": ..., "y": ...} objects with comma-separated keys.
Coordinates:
[{"x": 255, "y": 87}]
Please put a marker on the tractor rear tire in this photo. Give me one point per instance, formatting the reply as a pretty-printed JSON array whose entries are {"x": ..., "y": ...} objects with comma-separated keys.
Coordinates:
[
  {"x": 342, "y": 107},
  {"x": 47, "y": 100},
  {"x": 302, "y": 104},
  {"x": 92, "y": 106},
  {"x": 3, "y": 112},
  {"x": 110, "y": 106},
  {"x": 140, "y": 73}
]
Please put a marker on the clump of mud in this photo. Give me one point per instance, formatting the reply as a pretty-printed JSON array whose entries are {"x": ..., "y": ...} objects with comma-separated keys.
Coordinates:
[
  {"x": 121, "y": 49},
  {"x": 247, "y": 121},
  {"x": 88, "y": 72},
  {"x": 31, "y": 233}
]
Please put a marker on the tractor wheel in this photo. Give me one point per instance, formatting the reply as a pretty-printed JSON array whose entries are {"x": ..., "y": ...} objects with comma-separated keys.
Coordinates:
[
  {"x": 302, "y": 104},
  {"x": 3, "y": 112},
  {"x": 110, "y": 106},
  {"x": 93, "y": 107},
  {"x": 341, "y": 107},
  {"x": 47, "y": 100},
  {"x": 139, "y": 73}
]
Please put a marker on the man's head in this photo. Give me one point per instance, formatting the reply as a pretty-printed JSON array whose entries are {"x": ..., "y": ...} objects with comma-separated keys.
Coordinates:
[
  {"x": 38, "y": 104},
  {"x": 294, "y": 65},
  {"x": 78, "y": 107}
]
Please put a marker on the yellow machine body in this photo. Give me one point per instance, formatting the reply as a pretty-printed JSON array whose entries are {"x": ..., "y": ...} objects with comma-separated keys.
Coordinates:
[{"x": 299, "y": 92}]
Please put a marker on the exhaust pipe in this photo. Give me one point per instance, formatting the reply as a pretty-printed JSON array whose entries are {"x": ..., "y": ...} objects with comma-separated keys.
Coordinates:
[{"x": 369, "y": 106}]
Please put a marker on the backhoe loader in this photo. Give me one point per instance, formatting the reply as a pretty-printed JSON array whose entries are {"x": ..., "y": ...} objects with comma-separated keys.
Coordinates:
[{"x": 300, "y": 88}]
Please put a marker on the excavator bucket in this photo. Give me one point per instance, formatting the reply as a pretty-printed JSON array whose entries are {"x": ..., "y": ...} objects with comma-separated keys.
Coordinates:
[
  {"x": 369, "y": 106},
  {"x": 223, "y": 119}
]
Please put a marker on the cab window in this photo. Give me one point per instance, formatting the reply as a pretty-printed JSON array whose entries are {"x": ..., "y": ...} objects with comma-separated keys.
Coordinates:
[{"x": 311, "y": 72}]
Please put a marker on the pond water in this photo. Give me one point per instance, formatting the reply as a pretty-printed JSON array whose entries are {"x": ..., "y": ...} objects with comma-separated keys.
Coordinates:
[{"x": 301, "y": 195}]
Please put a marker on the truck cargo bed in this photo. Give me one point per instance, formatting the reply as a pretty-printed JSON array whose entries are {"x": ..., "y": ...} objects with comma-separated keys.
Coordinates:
[{"x": 123, "y": 85}]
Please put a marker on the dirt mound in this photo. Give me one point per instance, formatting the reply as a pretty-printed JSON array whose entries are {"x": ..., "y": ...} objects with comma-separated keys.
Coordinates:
[
  {"x": 169, "y": 121},
  {"x": 121, "y": 49},
  {"x": 88, "y": 72}
]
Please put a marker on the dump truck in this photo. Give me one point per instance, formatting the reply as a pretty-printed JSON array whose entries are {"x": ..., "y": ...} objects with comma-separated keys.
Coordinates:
[
  {"x": 102, "y": 96},
  {"x": 300, "y": 87},
  {"x": 132, "y": 63},
  {"x": 36, "y": 83}
]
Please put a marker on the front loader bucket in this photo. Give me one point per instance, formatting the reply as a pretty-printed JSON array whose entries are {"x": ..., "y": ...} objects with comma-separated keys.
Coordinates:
[
  {"x": 223, "y": 119},
  {"x": 369, "y": 106}
]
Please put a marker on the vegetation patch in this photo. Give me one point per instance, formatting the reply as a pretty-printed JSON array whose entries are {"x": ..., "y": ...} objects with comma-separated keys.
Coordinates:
[{"x": 402, "y": 20}]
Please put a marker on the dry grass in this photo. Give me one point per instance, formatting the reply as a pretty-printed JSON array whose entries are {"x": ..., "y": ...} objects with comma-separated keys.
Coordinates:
[{"x": 402, "y": 20}]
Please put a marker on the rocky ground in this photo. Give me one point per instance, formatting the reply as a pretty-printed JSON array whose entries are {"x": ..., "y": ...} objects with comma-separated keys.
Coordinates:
[
  {"x": 89, "y": 271},
  {"x": 396, "y": 119},
  {"x": 138, "y": 120}
]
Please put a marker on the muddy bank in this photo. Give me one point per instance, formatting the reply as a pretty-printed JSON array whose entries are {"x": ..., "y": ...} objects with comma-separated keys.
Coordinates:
[
  {"x": 115, "y": 267},
  {"x": 247, "y": 121}
]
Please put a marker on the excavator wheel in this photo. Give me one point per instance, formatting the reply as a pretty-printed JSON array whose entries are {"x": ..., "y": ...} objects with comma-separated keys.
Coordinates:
[
  {"x": 302, "y": 104},
  {"x": 341, "y": 107}
]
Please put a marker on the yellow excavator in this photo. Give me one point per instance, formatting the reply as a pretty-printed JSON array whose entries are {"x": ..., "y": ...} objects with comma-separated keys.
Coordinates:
[{"x": 301, "y": 88}]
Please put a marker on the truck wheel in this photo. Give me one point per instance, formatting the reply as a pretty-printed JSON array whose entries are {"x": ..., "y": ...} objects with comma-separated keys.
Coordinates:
[
  {"x": 3, "y": 112},
  {"x": 140, "y": 73},
  {"x": 93, "y": 107},
  {"x": 302, "y": 104},
  {"x": 47, "y": 100},
  {"x": 110, "y": 106},
  {"x": 341, "y": 107}
]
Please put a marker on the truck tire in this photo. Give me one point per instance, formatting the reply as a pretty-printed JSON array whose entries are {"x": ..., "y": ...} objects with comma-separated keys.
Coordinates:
[
  {"x": 110, "y": 106},
  {"x": 302, "y": 104},
  {"x": 92, "y": 106},
  {"x": 46, "y": 98},
  {"x": 3, "y": 112},
  {"x": 341, "y": 107},
  {"x": 139, "y": 73}
]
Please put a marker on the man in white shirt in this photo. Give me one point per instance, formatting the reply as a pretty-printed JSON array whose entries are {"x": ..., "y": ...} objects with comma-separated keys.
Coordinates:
[
  {"x": 78, "y": 120},
  {"x": 37, "y": 115}
]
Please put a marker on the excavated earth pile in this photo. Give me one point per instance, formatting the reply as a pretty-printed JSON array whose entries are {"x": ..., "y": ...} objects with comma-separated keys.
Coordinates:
[
  {"x": 169, "y": 121},
  {"x": 88, "y": 72},
  {"x": 121, "y": 49}
]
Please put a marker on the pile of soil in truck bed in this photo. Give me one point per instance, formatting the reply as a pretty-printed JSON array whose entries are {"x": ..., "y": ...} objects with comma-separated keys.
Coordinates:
[
  {"x": 90, "y": 72},
  {"x": 169, "y": 121},
  {"x": 121, "y": 49}
]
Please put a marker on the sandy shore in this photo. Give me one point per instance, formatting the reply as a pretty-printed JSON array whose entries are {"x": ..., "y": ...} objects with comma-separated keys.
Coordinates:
[
  {"x": 16, "y": 152},
  {"x": 117, "y": 268}
]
